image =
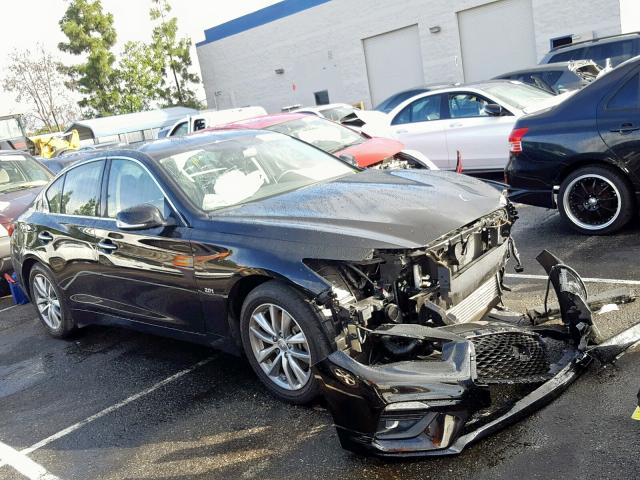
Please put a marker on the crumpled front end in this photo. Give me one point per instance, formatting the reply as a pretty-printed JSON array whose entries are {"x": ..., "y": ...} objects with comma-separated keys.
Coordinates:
[{"x": 427, "y": 363}]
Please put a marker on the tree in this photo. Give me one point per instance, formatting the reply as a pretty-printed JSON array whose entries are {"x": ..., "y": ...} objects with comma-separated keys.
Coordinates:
[
  {"x": 35, "y": 78},
  {"x": 90, "y": 32},
  {"x": 178, "y": 81},
  {"x": 140, "y": 75}
]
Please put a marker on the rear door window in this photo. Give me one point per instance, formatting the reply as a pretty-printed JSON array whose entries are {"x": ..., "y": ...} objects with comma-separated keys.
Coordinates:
[
  {"x": 422, "y": 110},
  {"x": 81, "y": 193},
  {"x": 628, "y": 96}
]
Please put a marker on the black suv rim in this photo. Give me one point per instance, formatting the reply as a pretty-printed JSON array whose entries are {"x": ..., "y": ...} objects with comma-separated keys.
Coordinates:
[{"x": 592, "y": 202}]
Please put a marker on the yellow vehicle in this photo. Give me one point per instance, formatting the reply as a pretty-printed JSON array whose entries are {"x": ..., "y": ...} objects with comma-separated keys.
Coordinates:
[
  {"x": 50, "y": 145},
  {"x": 636, "y": 414}
]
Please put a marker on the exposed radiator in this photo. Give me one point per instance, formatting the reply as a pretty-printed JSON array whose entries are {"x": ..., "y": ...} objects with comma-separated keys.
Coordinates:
[{"x": 477, "y": 304}]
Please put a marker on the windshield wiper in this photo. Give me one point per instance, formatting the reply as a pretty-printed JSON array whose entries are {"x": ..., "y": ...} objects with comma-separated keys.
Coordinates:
[{"x": 17, "y": 188}]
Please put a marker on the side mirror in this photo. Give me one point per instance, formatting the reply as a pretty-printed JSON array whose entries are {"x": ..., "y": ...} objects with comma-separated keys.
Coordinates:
[
  {"x": 141, "y": 217},
  {"x": 493, "y": 110}
]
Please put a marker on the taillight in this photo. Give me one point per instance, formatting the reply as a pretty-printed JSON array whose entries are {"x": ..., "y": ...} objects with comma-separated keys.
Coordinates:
[
  {"x": 515, "y": 139},
  {"x": 7, "y": 229}
]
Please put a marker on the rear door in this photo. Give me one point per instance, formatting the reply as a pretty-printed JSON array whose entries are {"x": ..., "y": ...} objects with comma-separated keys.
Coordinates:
[
  {"x": 145, "y": 275},
  {"x": 421, "y": 126},
  {"x": 481, "y": 139},
  {"x": 619, "y": 121},
  {"x": 65, "y": 236}
]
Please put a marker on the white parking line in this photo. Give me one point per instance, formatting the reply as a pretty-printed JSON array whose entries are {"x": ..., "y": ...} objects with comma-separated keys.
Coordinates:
[
  {"x": 72, "y": 428},
  {"x": 8, "y": 308},
  {"x": 23, "y": 464},
  {"x": 588, "y": 280},
  {"x": 115, "y": 407}
]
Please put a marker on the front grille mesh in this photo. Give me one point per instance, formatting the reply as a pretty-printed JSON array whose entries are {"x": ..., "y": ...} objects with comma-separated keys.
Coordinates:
[{"x": 510, "y": 357}]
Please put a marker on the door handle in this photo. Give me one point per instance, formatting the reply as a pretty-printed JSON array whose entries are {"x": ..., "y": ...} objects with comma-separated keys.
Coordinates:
[
  {"x": 625, "y": 128},
  {"x": 401, "y": 131},
  {"x": 45, "y": 237},
  {"x": 455, "y": 125},
  {"x": 107, "y": 245}
]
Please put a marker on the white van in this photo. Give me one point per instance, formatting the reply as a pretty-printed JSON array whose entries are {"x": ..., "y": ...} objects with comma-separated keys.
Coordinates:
[{"x": 209, "y": 118}]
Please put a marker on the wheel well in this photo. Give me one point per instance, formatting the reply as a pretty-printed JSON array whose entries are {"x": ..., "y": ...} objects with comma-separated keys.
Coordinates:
[
  {"x": 595, "y": 163},
  {"x": 237, "y": 294},
  {"x": 27, "y": 265}
]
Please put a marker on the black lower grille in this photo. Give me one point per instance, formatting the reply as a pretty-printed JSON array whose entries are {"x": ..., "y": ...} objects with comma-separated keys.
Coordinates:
[{"x": 510, "y": 357}]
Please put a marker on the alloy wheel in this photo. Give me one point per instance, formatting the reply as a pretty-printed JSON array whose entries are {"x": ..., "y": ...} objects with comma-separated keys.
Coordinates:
[
  {"x": 47, "y": 301},
  {"x": 280, "y": 347},
  {"x": 592, "y": 202}
]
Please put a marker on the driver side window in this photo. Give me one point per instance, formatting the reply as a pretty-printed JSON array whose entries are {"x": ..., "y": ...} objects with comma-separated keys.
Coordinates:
[
  {"x": 466, "y": 105},
  {"x": 131, "y": 185}
]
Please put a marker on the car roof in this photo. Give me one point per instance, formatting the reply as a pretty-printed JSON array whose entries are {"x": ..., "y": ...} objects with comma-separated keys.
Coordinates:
[
  {"x": 607, "y": 39},
  {"x": 258, "y": 123},
  {"x": 545, "y": 67}
]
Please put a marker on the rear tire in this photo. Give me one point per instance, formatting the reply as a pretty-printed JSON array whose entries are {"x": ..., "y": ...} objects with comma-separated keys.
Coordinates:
[
  {"x": 596, "y": 200},
  {"x": 50, "y": 303},
  {"x": 282, "y": 338}
]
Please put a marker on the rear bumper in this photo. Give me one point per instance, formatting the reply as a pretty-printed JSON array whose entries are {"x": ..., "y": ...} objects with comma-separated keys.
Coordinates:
[{"x": 538, "y": 198}]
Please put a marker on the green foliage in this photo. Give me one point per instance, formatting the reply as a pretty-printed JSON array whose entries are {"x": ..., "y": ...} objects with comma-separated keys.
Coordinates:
[
  {"x": 140, "y": 75},
  {"x": 34, "y": 77},
  {"x": 90, "y": 32},
  {"x": 178, "y": 81}
]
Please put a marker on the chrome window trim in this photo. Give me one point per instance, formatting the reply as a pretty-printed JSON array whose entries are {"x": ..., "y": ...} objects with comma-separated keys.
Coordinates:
[{"x": 100, "y": 217}]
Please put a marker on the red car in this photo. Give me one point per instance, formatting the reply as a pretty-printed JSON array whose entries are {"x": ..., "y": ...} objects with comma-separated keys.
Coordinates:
[{"x": 341, "y": 141}]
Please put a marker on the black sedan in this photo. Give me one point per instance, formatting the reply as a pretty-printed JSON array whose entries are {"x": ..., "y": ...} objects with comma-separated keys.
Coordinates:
[
  {"x": 583, "y": 156},
  {"x": 374, "y": 287}
]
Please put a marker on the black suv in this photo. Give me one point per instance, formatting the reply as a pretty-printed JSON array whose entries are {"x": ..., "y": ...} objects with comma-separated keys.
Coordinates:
[
  {"x": 583, "y": 155},
  {"x": 617, "y": 48}
]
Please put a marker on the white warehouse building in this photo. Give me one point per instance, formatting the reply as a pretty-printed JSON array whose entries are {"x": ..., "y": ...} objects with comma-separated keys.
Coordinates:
[{"x": 313, "y": 51}]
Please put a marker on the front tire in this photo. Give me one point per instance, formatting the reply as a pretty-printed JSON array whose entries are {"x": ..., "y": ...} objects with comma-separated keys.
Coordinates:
[
  {"x": 596, "y": 200},
  {"x": 50, "y": 303},
  {"x": 282, "y": 339}
]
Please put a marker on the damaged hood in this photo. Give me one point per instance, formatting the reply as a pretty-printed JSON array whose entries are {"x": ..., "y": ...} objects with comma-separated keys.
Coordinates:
[{"x": 370, "y": 209}]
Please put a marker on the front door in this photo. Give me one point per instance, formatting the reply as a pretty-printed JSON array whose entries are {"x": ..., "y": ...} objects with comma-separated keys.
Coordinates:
[
  {"x": 481, "y": 139},
  {"x": 146, "y": 275},
  {"x": 619, "y": 123}
]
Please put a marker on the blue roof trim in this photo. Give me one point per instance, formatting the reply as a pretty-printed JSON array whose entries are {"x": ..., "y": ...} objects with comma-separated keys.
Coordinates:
[{"x": 257, "y": 18}]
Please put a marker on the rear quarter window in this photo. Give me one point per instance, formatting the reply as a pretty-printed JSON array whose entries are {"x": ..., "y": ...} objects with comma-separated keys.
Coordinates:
[
  {"x": 54, "y": 195},
  {"x": 628, "y": 96}
]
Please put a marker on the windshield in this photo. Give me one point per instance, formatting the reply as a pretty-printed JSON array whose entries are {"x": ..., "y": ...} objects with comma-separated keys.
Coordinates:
[
  {"x": 19, "y": 172},
  {"x": 337, "y": 113},
  {"x": 517, "y": 94},
  {"x": 10, "y": 128},
  {"x": 328, "y": 136},
  {"x": 247, "y": 167}
]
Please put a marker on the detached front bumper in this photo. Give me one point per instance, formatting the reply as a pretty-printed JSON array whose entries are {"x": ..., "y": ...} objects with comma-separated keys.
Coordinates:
[
  {"x": 487, "y": 375},
  {"x": 435, "y": 408}
]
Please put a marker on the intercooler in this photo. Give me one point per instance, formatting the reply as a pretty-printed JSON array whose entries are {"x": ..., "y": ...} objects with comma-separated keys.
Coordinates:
[{"x": 477, "y": 304}]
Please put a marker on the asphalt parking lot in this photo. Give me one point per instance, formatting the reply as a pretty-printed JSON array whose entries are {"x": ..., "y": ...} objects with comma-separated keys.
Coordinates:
[{"x": 114, "y": 404}]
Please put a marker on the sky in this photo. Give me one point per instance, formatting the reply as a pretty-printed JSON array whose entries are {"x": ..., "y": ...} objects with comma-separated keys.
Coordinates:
[{"x": 27, "y": 22}]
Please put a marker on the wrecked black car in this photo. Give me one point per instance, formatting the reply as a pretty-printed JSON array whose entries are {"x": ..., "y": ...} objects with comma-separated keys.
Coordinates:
[{"x": 380, "y": 290}]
